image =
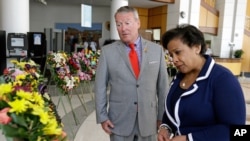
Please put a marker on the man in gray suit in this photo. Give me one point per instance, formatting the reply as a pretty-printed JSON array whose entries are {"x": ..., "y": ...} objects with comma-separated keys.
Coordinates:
[{"x": 133, "y": 109}]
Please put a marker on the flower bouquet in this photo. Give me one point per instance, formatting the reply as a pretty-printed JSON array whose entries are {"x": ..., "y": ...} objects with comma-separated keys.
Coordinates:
[
  {"x": 63, "y": 71},
  {"x": 67, "y": 71},
  {"x": 26, "y": 109},
  {"x": 87, "y": 61}
]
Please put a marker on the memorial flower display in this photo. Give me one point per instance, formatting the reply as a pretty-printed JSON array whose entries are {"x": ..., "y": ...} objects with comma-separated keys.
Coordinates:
[
  {"x": 68, "y": 70},
  {"x": 63, "y": 70},
  {"x": 87, "y": 62},
  {"x": 26, "y": 109}
]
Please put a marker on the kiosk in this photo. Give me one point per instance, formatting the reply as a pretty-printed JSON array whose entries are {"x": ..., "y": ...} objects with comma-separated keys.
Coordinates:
[
  {"x": 37, "y": 48},
  {"x": 17, "y": 45},
  {"x": 3, "y": 63}
]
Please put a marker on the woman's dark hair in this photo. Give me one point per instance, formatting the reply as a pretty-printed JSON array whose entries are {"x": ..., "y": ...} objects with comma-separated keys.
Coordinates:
[{"x": 188, "y": 34}]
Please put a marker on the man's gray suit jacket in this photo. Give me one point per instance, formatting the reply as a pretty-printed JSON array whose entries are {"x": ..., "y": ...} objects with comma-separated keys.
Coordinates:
[{"x": 130, "y": 97}]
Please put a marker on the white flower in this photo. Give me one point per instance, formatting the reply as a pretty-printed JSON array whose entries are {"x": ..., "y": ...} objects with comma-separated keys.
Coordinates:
[{"x": 70, "y": 82}]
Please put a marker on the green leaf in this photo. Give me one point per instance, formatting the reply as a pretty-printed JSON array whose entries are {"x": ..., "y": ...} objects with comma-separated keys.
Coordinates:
[
  {"x": 2, "y": 80},
  {"x": 3, "y": 104},
  {"x": 19, "y": 119},
  {"x": 9, "y": 138},
  {"x": 14, "y": 132}
]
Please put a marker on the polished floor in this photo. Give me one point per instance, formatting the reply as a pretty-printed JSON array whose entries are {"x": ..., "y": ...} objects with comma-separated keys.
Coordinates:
[
  {"x": 78, "y": 113},
  {"x": 90, "y": 131}
]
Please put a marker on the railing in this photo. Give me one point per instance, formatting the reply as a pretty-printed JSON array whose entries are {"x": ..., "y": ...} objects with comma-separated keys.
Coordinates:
[{"x": 247, "y": 23}]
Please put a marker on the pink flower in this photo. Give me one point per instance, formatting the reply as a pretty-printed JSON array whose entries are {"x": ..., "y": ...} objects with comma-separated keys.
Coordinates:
[
  {"x": 4, "y": 118},
  {"x": 17, "y": 72},
  {"x": 64, "y": 134}
]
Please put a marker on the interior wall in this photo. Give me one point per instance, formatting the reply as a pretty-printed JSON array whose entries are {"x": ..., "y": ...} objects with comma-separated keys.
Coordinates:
[
  {"x": 248, "y": 8},
  {"x": 45, "y": 16},
  {"x": 246, "y": 44},
  {"x": 245, "y": 67}
]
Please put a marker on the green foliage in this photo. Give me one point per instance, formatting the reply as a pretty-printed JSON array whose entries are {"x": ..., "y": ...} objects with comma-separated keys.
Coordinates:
[{"x": 238, "y": 53}]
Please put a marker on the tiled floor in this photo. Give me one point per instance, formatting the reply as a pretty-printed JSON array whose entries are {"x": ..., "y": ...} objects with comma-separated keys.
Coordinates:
[
  {"x": 90, "y": 131},
  {"x": 84, "y": 128}
]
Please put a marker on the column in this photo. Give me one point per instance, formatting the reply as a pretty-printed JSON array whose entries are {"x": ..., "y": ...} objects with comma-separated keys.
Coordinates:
[
  {"x": 183, "y": 11},
  {"x": 14, "y": 16},
  {"x": 231, "y": 27},
  {"x": 115, "y": 4}
]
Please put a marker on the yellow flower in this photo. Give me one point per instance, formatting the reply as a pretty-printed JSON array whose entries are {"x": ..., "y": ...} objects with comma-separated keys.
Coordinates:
[
  {"x": 38, "y": 99},
  {"x": 44, "y": 116},
  {"x": 5, "y": 89},
  {"x": 77, "y": 79},
  {"x": 14, "y": 61},
  {"x": 52, "y": 128},
  {"x": 23, "y": 94},
  {"x": 20, "y": 77},
  {"x": 18, "y": 106},
  {"x": 17, "y": 83},
  {"x": 29, "y": 107}
]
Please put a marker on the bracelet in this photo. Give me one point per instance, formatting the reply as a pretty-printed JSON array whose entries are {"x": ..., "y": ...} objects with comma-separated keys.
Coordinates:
[
  {"x": 164, "y": 127},
  {"x": 170, "y": 134}
]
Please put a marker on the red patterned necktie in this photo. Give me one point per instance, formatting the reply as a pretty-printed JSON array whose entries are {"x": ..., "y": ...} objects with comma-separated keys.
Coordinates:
[{"x": 134, "y": 60}]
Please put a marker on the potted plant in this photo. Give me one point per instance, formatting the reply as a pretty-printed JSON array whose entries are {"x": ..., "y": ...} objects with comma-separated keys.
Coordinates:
[{"x": 238, "y": 53}]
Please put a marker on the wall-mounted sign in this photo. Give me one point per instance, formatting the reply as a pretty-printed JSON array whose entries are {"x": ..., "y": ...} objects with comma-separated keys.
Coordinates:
[{"x": 86, "y": 15}]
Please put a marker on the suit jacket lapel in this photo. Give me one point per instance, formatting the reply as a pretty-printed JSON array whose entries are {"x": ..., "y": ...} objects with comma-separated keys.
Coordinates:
[
  {"x": 124, "y": 55},
  {"x": 144, "y": 53}
]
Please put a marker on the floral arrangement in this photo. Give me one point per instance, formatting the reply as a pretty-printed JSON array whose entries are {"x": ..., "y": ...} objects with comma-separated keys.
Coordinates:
[
  {"x": 87, "y": 61},
  {"x": 26, "y": 109},
  {"x": 170, "y": 65},
  {"x": 69, "y": 69},
  {"x": 169, "y": 61},
  {"x": 63, "y": 69}
]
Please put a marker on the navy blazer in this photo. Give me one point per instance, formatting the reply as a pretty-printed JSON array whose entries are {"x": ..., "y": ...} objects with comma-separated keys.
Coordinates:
[{"x": 207, "y": 109}]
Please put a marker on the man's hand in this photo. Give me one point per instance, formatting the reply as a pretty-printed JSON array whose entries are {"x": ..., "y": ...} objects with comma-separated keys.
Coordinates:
[{"x": 106, "y": 125}]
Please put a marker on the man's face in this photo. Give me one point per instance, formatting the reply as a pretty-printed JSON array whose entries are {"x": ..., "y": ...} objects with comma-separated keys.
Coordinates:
[{"x": 127, "y": 27}]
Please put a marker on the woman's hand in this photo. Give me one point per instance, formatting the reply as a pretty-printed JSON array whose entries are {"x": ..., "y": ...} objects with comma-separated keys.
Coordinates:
[
  {"x": 163, "y": 135},
  {"x": 179, "y": 138}
]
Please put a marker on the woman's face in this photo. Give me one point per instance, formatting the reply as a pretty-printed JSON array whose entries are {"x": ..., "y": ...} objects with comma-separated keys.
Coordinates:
[{"x": 184, "y": 57}]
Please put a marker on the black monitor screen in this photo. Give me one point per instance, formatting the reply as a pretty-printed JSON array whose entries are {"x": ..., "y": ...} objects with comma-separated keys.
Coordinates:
[{"x": 17, "y": 42}]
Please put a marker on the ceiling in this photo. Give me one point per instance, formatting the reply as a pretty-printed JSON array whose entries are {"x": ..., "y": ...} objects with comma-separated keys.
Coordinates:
[{"x": 134, "y": 3}]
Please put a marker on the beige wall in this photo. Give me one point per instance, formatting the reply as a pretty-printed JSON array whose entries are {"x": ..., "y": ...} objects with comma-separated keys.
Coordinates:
[{"x": 246, "y": 45}]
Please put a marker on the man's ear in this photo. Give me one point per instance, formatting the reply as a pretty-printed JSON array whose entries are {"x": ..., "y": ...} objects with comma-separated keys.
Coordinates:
[{"x": 139, "y": 23}]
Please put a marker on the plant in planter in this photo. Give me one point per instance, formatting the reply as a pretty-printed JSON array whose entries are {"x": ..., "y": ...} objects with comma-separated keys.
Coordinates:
[{"x": 238, "y": 53}]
